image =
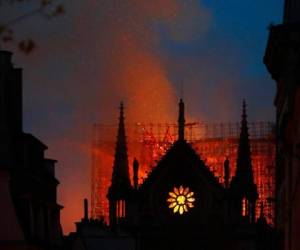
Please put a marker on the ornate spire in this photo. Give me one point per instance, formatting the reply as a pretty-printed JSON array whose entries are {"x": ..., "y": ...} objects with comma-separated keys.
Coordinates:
[
  {"x": 120, "y": 183},
  {"x": 242, "y": 185},
  {"x": 181, "y": 121},
  {"x": 244, "y": 164}
]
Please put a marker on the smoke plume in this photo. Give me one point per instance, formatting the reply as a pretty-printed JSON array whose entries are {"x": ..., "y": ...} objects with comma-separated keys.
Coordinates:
[{"x": 100, "y": 53}]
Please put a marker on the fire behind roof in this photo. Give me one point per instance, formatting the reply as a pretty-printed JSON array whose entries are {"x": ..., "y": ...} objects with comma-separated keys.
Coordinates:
[{"x": 212, "y": 141}]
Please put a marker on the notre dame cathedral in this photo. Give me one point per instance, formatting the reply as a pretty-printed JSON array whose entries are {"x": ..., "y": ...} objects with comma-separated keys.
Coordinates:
[{"x": 181, "y": 204}]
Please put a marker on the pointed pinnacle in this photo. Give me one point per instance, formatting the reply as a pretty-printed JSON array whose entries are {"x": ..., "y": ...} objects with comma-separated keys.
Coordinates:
[
  {"x": 244, "y": 114},
  {"x": 181, "y": 121},
  {"x": 121, "y": 110}
]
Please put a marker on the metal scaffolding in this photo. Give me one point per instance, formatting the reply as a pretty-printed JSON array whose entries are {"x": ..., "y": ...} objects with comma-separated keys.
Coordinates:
[{"x": 212, "y": 141}]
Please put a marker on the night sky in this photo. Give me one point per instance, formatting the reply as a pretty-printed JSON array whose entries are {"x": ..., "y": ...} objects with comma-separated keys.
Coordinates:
[{"x": 104, "y": 51}]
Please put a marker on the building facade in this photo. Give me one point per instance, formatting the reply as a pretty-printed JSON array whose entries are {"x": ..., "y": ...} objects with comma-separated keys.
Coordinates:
[
  {"x": 30, "y": 214},
  {"x": 282, "y": 59}
]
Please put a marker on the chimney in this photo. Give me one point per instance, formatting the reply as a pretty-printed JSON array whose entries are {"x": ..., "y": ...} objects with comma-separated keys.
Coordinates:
[
  {"x": 291, "y": 12},
  {"x": 135, "y": 174},
  {"x": 10, "y": 112},
  {"x": 5, "y": 59},
  {"x": 86, "y": 210}
]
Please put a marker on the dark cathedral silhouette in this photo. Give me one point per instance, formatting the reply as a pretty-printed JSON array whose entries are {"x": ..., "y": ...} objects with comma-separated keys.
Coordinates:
[{"x": 181, "y": 204}]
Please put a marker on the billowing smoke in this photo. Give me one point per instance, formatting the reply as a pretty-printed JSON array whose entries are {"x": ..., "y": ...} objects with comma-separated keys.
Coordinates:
[
  {"x": 126, "y": 37},
  {"x": 100, "y": 53}
]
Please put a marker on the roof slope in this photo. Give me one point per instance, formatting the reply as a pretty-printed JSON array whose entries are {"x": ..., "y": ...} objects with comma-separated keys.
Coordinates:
[{"x": 181, "y": 150}]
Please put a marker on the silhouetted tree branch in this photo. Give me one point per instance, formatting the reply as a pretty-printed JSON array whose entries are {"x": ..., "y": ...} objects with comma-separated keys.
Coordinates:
[{"x": 46, "y": 8}]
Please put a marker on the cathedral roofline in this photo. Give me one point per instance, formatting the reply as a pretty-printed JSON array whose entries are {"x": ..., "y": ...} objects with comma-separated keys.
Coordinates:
[{"x": 184, "y": 147}]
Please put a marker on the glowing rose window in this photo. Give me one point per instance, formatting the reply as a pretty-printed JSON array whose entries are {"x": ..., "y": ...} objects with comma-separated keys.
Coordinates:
[{"x": 181, "y": 199}]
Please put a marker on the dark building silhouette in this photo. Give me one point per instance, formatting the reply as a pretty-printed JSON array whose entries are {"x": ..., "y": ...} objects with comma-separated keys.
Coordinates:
[
  {"x": 282, "y": 59},
  {"x": 29, "y": 208},
  {"x": 181, "y": 204}
]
